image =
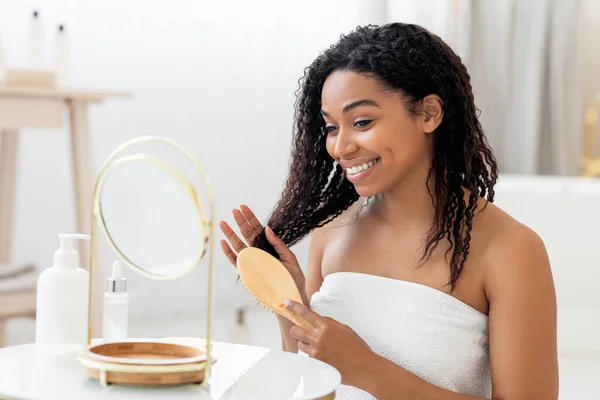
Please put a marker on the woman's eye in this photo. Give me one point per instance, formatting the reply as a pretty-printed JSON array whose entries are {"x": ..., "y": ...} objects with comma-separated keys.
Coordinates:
[
  {"x": 363, "y": 123},
  {"x": 330, "y": 129}
]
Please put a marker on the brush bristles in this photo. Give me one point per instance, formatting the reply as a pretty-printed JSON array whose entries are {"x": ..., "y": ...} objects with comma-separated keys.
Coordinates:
[{"x": 265, "y": 307}]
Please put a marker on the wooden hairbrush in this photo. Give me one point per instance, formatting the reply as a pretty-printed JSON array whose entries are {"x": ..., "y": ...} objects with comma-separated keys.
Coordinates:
[{"x": 269, "y": 282}]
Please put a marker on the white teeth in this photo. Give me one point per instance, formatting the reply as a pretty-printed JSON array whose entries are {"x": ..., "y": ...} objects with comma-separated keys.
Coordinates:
[{"x": 360, "y": 168}]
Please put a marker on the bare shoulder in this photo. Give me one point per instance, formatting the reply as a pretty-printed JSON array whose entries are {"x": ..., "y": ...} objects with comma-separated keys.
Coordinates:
[
  {"x": 510, "y": 248},
  {"x": 512, "y": 252},
  {"x": 520, "y": 291},
  {"x": 319, "y": 240},
  {"x": 319, "y": 236}
]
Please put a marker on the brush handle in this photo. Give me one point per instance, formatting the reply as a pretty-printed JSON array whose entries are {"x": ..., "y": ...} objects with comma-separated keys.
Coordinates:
[{"x": 297, "y": 320}]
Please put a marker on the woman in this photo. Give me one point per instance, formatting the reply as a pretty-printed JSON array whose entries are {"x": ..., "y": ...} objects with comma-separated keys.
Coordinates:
[{"x": 417, "y": 285}]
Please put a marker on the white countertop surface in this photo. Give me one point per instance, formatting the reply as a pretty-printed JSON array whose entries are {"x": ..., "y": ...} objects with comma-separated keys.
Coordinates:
[
  {"x": 266, "y": 374},
  {"x": 23, "y": 375}
]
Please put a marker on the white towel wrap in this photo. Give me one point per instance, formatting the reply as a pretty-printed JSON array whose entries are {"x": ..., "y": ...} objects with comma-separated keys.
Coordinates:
[{"x": 430, "y": 333}]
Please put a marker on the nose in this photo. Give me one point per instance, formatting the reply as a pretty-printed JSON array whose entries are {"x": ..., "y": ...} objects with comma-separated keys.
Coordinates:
[{"x": 344, "y": 144}]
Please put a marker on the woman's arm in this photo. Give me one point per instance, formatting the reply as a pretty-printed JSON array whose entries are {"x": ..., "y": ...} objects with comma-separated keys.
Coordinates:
[
  {"x": 314, "y": 279},
  {"x": 522, "y": 330},
  {"x": 520, "y": 290}
]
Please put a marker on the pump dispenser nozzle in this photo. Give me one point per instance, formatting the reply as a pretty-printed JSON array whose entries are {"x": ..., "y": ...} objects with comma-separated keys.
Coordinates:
[{"x": 66, "y": 256}]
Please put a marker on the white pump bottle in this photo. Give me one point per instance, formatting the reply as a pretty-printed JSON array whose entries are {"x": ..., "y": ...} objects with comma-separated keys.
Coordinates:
[{"x": 62, "y": 301}]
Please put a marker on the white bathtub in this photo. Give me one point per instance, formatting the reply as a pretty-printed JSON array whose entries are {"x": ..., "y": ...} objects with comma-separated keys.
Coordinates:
[{"x": 565, "y": 212}]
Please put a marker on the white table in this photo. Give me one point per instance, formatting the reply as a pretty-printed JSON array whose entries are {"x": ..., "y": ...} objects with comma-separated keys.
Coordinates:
[
  {"x": 24, "y": 376},
  {"x": 269, "y": 375}
]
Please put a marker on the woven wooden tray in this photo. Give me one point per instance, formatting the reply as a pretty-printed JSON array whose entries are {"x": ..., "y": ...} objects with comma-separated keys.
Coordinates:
[{"x": 144, "y": 363}]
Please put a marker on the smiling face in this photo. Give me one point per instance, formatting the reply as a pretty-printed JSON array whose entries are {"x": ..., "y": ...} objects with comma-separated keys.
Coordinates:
[{"x": 372, "y": 134}]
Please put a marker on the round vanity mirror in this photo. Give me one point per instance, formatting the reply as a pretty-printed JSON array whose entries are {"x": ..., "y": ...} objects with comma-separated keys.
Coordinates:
[{"x": 148, "y": 203}]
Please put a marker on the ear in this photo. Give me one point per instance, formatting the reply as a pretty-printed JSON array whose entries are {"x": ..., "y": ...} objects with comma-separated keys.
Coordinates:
[{"x": 433, "y": 112}]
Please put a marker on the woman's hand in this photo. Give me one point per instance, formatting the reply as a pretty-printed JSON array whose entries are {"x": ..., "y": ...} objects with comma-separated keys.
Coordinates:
[
  {"x": 335, "y": 344},
  {"x": 250, "y": 227}
]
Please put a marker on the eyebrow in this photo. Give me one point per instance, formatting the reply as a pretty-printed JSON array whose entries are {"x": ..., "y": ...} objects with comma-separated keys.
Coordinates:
[{"x": 353, "y": 105}]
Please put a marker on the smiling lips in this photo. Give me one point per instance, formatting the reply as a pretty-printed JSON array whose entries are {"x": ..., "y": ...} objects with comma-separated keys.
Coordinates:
[
  {"x": 360, "y": 168},
  {"x": 360, "y": 172}
]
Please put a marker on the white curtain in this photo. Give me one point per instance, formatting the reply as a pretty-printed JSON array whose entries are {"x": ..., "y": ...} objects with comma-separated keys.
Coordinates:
[
  {"x": 527, "y": 51},
  {"x": 525, "y": 58}
]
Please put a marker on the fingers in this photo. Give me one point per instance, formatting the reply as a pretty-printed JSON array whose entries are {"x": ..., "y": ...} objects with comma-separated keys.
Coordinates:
[
  {"x": 231, "y": 256},
  {"x": 306, "y": 349},
  {"x": 246, "y": 229},
  {"x": 277, "y": 243},
  {"x": 309, "y": 315},
  {"x": 251, "y": 218},
  {"x": 235, "y": 241},
  {"x": 301, "y": 334}
]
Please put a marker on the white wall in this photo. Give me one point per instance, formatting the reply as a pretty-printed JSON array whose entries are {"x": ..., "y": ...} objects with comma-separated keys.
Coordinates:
[{"x": 218, "y": 76}]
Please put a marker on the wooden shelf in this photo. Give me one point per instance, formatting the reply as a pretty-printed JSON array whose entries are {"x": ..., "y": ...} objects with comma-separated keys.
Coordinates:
[{"x": 63, "y": 94}]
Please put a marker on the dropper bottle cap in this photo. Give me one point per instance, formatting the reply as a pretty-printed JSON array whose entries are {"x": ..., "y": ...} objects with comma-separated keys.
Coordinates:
[{"x": 116, "y": 283}]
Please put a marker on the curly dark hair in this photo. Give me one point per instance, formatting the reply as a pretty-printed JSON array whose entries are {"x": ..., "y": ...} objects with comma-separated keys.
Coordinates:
[{"x": 410, "y": 60}]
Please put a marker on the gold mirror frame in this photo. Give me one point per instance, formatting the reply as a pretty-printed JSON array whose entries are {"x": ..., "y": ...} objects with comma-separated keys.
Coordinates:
[
  {"x": 189, "y": 189},
  {"x": 206, "y": 221}
]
